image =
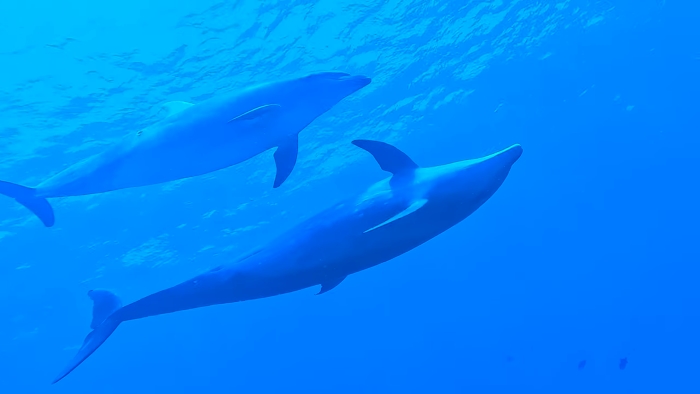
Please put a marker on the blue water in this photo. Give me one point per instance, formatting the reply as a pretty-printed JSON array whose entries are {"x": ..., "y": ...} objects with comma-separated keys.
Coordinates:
[{"x": 589, "y": 251}]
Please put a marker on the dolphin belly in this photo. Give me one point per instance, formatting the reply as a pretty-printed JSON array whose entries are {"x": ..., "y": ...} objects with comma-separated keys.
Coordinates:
[
  {"x": 170, "y": 163},
  {"x": 157, "y": 160},
  {"x": 337, "y": 244}
]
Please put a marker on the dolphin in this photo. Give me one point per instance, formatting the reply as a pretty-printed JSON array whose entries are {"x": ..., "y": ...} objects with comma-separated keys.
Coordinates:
[
  {"x": 389, "y": 219},
  {"x": 195, "y": 139}
]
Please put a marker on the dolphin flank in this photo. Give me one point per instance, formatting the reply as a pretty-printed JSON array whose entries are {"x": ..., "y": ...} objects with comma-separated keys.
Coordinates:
[
  {"x": 195, "y": 139},
  {"x": 389, "y": 219}
]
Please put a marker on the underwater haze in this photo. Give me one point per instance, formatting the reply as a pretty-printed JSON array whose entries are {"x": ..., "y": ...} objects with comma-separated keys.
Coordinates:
[{"x": 586, "y": 256}]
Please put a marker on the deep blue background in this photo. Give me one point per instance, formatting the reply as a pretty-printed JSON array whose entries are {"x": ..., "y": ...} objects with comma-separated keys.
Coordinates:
[{"x": 589, "y": 250}]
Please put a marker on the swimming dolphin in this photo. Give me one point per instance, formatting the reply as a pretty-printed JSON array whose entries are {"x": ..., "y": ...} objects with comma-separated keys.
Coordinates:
[
  {"x": 392, "y": 217},
  {"x": 195, "y": 139}
]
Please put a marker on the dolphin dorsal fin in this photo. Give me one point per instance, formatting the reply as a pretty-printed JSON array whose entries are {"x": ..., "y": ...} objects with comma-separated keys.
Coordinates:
[
  {"x": 389, "y": 158},
  {"x": 172, "y": 107}
]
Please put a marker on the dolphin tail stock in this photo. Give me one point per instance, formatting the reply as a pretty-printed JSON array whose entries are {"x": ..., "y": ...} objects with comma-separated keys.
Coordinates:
[
  {"x": 103, "y": 324},
  {"x": 27, "y": 197}
]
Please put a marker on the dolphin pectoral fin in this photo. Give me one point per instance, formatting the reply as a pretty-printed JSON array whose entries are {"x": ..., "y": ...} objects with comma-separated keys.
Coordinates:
[
  {"x": 286, "y": 159},
  {"x": 389, "y": 158},
  {"x": 104, "y": 322},
  {"x": 412, "y": 208},
  {"x": 258, "y": 113},
  {"x": 27, "y": 197},
  {"x": 330, "y": 285},
  {"x": 173, "y": 107}
]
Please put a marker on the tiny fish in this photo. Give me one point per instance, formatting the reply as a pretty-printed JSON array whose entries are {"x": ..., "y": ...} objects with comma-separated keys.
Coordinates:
[{"x": 623, "y": 362}]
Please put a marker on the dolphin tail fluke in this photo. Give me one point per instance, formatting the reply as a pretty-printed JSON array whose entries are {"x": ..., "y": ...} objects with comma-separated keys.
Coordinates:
[
  {"x": 104, "y": 322},
  {"x": 286, "y": 159},
  {"x": 27, "y": 197}
]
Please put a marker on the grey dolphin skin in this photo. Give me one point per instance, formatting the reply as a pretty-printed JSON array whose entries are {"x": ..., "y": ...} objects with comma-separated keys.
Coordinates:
[
  {"x": 389, "y": 219},
  {"x": 195, "y": 139}
]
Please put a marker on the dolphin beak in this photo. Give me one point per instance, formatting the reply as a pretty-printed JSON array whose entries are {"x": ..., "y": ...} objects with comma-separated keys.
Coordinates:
[
  {"x": 360, "y": 81},
  {"x": 364, "y": 80},
  {"x": 507, "y": 156},
  {"x": 513, "y": 152}
]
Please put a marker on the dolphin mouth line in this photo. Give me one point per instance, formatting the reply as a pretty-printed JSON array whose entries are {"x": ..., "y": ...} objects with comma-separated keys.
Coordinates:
[
  {"x": 356, "y": 78},
  {"x": 360, "y": 79}
]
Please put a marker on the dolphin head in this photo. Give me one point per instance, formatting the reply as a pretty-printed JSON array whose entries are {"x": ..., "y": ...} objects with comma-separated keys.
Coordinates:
[
  {"x": 334, "y": 86},
  {"x": 321, "y": 91},
  {"x": 469, "y": 183}
]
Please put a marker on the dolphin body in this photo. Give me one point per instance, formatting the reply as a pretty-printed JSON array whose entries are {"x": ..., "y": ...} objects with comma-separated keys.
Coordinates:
[
  {"x": 392, "y": 217},
  {"x": 197, "y": 139}
]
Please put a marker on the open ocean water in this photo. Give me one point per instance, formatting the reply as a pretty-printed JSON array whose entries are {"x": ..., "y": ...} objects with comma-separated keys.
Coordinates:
[{"x": 588, "y": 252}]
